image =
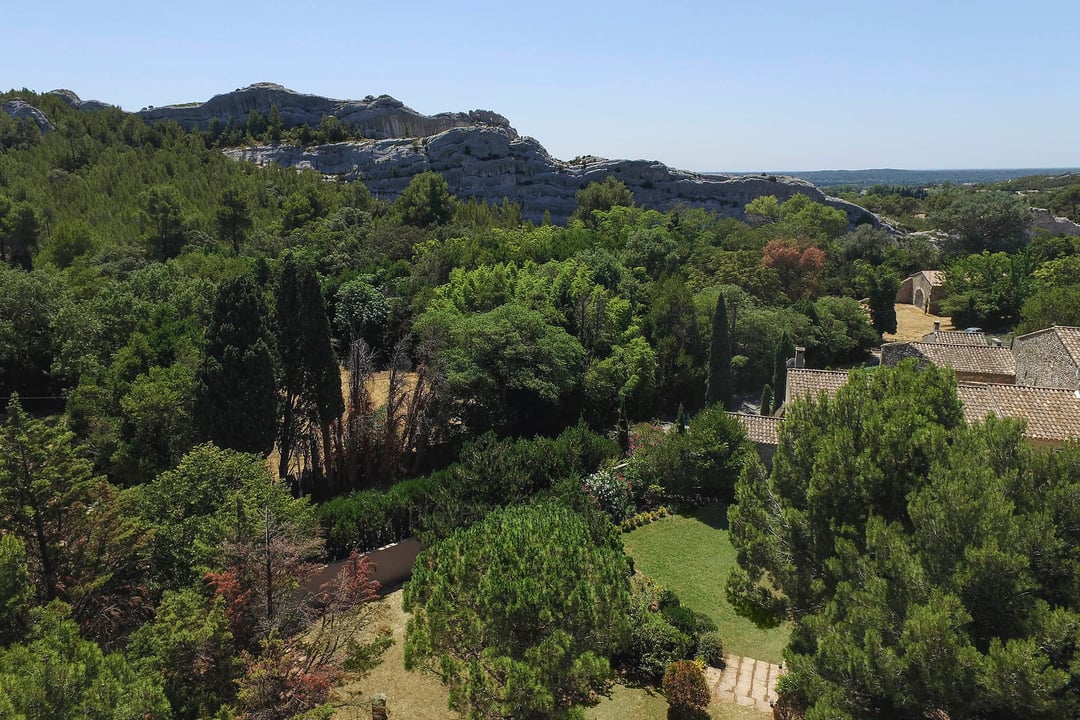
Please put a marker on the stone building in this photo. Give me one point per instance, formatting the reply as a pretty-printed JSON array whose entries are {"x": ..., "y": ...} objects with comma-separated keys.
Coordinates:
[
  {"x": 1051, "y": 415},
  {"x": 762, "y": 430},
  {"x": 924, "y": 289},
  {"x": 972, "y": 363},
  {"x": 1048, "y": 358},
  {"x": 954, "y": 337}
]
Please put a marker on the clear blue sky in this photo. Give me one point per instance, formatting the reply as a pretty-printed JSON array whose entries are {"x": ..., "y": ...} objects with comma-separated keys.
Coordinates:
[{"x": 698, "y": 85}]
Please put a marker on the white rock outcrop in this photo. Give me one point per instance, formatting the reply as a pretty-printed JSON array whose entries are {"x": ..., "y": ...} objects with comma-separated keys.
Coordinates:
[
  {"x": 1045, "y": 220},
  {"x": 21, "y": 110},
  {"x": 495, "y": 163},
  {"x": 379, "y": 118}
]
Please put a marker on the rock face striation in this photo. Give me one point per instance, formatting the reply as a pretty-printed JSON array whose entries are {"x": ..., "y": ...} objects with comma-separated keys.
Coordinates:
[
  {"x": 20, "y": 110},
  {"x": 74, "y": 101},
  {"x": 375, "y": 117},
  {"x": 494, "y": 163}
]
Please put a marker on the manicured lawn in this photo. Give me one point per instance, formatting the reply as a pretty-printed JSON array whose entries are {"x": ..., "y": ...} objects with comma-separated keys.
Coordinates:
[
  {"x": 647, "y": 704},
  {"x": 692, "y": 555}
]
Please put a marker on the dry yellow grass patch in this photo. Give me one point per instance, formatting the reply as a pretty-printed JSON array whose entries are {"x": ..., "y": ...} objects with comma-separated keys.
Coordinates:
[
  {"x": 912, "y": 323},
  {"x": 416, "y": 695}
]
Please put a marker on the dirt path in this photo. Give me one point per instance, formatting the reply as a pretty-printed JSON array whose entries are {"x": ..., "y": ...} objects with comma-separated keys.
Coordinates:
[{"x": 416, "y": 695}]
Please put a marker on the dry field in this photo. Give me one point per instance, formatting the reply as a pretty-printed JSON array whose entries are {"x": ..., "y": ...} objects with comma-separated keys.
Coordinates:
[
  {"x": 912, "y": 323},
  {"x": 416, "y": 695}
]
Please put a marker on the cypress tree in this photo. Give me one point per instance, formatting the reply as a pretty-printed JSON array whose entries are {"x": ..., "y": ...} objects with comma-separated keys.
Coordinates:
[
  {"x": 719, "y": 387},
  {"x": 785, "y": 349},
  {"x": 236, "y": 392},
  {"x": 310, "y": 378},
  {"x": 766, "y": 400}
]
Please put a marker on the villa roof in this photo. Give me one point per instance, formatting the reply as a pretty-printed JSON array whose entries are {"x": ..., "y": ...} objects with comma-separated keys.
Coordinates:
[
  {"x": 983, "y": 359},
  {"x": 955, "y": 337},
  {"x": 803, "y": 382},
  {"x": 1051, "y": 414},
  {"x": 761, "y": 429}
]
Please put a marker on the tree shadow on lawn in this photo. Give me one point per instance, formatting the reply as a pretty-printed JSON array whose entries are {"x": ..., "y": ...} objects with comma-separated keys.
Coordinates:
[{"x": 713, "y": 514}]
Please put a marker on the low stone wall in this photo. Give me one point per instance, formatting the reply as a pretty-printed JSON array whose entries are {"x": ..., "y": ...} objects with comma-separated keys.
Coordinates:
[{"x": 393, "y": 566}]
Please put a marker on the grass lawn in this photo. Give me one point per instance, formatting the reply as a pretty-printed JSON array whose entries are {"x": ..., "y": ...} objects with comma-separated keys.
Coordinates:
[
  {"x": 692, "y": 555},
  {"x": 646, "y": 704}
]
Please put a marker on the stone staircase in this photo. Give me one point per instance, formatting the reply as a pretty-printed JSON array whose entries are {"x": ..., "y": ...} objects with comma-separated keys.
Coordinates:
[{"x": 744, "y": 681}]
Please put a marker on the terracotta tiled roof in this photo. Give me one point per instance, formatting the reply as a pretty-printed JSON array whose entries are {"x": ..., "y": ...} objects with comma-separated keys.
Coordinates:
[
  {"x": 803, "y": 382},
  {"x": 761, "y": 429},
  {"x": 1070, "y": 338},
  {"x": 1051, "y": 413},
  {"x": 955, "y": 337},
  {"x": 969, "y": 358}
]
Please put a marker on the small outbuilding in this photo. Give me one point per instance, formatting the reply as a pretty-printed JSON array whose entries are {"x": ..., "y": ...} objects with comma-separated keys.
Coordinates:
[{"x": 924, "y": 290}]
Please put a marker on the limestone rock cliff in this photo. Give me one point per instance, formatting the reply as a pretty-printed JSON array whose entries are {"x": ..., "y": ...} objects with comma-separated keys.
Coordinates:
[
  {"x": 74, "y": 101},
  {"x": 21, "y": 110},
  {"x": 379, "y": 118},
  {"x": 1046, "y": 220},
  {"x": 494, "y": 163}
]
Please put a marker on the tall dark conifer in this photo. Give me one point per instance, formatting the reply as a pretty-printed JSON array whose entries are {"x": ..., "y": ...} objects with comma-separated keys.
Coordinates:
[
  {"x": 720, "y": 385},
  {"x": 311, "y": 379},
  {"x": 236, "y": 392},
  {"x": 785, "y": 350}
]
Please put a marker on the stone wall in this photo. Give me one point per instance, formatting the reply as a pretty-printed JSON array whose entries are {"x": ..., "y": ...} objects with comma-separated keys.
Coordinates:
[
  {"x": 924, "y": 295},
  {"x": 1043, "y": 361}
]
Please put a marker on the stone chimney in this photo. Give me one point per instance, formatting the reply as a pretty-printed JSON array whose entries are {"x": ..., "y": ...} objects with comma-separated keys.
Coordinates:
[
  {"x": 800, "y": 357},
  {"x": 997, "y": 342},
  {"x": 937, "y": 325}
]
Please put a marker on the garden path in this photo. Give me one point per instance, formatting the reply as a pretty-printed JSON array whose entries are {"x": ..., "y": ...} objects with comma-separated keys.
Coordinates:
[{"x": 744, "y": 681}]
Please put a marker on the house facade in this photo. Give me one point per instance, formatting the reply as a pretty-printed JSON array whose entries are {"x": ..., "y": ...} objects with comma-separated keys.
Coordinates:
[{"x": 924, "y": 290}]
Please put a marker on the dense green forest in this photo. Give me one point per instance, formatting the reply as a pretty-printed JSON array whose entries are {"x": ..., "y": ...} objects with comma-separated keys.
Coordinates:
[{"x": 218, "y": 375}]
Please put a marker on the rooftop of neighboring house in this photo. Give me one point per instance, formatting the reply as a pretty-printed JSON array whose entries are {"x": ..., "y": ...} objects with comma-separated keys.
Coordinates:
[
  {"x": 1052, "y": 414},
  {"x": 956, "y": 337},
  {"x": 803, "y": 382},
  {"x": 761, "y": 429},
  {"x": 1069, "y": 336},
  {"x": 971, "y": 359},
  {"x": 934, "y": 277}
]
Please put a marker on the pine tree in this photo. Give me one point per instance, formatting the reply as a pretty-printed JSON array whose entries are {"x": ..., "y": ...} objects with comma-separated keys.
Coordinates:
[
  {"x": 236, "y": 392},
  {"x": 719, "y": 387}
]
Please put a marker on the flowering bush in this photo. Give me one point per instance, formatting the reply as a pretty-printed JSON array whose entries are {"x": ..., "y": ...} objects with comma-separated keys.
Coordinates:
[{"x": 610, "y": 490}]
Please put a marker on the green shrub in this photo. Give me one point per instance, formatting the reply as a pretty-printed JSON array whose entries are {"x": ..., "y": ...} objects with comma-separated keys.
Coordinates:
[
  {"x": 686, "y": 690},
  {"x": 711, "y": 648},
  {"x": 690, "y": 623},
  {"x": 654, "y": 642}
]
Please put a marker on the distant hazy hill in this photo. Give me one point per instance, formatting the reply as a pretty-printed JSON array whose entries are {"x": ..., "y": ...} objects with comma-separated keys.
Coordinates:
[{"x": 888, "y": 176}]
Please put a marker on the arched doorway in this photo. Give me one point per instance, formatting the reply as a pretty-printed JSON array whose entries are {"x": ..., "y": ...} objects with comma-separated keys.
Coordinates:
[{"x": 920, "y": 298}]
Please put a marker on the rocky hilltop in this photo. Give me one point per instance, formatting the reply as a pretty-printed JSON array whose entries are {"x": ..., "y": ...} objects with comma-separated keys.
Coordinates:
[
  {"x": 378, "y": 118},
  {"x": 494, "y": 163},
  {"x": 478, "y": 153}
]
